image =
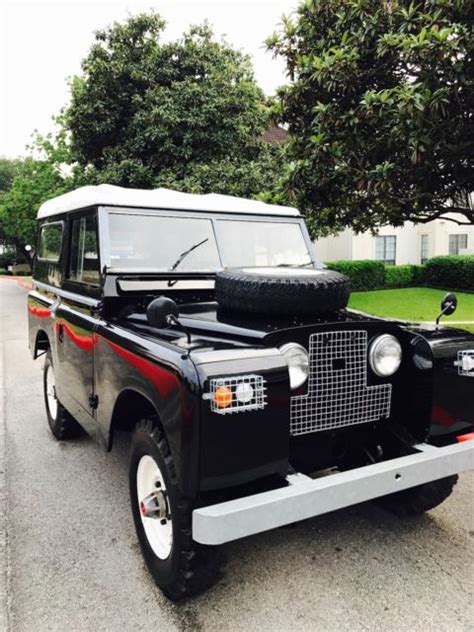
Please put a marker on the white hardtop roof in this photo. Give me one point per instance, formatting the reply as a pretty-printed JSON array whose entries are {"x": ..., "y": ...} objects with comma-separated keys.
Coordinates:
[{"x": 109, "y": 195}]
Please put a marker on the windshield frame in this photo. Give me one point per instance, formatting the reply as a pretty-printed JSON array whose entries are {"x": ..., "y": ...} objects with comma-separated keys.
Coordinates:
[{"x": 104, "y": 236}]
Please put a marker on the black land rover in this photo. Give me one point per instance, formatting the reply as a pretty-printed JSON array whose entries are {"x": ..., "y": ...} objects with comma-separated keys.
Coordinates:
[{"x": 205, "y": 326}]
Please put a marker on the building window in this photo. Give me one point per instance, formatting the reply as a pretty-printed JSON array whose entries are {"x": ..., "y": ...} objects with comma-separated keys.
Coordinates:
[
  {"x": 424, "y": 248},
  {"x": 386, "y": 248},
  {"x": 457, "y": 243}
]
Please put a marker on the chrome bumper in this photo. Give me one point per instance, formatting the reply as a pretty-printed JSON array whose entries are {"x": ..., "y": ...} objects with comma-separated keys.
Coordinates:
[{"x": 305, "y": 497}]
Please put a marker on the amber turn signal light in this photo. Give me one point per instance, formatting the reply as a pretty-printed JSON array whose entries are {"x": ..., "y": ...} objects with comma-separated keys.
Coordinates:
[{"x": 223, "y": 397}]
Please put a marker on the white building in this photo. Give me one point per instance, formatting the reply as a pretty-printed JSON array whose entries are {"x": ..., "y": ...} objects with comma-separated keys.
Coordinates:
[{"x": 411, "y": 243}]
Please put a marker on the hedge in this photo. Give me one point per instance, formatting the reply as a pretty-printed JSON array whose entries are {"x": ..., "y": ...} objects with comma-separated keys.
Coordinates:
[
  {"x": 363, "y": 274},
  {"x": 451, "y": 272},
  {"x": 418, "y": 275},
  {"x": 399, "y": 276}
]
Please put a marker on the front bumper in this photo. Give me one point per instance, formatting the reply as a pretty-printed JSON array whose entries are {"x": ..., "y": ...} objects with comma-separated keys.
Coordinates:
[{"x": 305, "y": 497}]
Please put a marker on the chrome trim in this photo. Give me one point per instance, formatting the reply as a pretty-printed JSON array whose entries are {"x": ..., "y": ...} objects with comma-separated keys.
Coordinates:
[
  {"x": 372, "y": 350},
  {"x": 72, "y": 296}
]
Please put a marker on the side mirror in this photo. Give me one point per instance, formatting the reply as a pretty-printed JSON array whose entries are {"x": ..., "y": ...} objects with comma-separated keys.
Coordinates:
[
  {"x": 448, "y": 306},
  {"x": 162, "y": 312}
]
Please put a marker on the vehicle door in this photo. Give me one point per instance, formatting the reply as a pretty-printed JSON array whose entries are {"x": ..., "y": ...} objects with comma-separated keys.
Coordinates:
[{"x": 76, "y": 319}]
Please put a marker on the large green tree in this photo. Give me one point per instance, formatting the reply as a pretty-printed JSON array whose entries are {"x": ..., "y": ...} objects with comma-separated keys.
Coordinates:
[
  {"x": 187, "y": 113},
  {"x": 9, "y": 168},
  {"x": 35, "y": 182},
  {"x": 380, "y": 107}
]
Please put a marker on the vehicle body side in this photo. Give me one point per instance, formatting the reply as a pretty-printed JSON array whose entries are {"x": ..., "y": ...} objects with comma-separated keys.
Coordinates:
[{"x": 111, "y": 364}]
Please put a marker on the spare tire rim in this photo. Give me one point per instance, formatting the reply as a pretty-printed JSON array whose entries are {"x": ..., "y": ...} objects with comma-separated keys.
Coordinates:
[
  {"x": 151, "y": 488},
  {"x": 51, "y": 399},
  {"x": 283, "y": 272}
]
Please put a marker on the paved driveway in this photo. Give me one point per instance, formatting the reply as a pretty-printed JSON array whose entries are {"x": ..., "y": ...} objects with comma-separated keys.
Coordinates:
[{"x": 70, "y": 561}]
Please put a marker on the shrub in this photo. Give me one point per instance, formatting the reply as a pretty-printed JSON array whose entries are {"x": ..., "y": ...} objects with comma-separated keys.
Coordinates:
[
  {"x": 21, "y": 269},
  {"x": 7, "y": 259},
  {"x": 452, "y": 272},
  {"x": 418, "y": 275},
  {"x": 398, "y": 276},
  {"x": 363, "y": 274}
]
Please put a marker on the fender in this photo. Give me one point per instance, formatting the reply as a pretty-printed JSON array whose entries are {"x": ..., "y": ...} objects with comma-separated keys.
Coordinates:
[{"x": 126, "y": 361}]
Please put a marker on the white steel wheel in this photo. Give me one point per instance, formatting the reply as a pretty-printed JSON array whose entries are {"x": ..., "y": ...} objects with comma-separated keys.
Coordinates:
[
  {"x": 51, "y": 399},
  {"x": 151, "y": 488}
]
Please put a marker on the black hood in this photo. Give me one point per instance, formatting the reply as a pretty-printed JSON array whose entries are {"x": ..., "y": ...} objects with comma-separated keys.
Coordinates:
[{"x": 207, "y": 321}]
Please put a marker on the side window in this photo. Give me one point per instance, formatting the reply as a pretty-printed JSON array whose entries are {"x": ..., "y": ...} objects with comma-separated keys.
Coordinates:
[
  {"x": 50, "y": 241},
  {"x": 84, "y": 257}
]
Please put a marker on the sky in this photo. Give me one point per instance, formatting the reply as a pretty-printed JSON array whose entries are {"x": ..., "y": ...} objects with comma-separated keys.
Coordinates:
[{"x": 42, "y": 44}]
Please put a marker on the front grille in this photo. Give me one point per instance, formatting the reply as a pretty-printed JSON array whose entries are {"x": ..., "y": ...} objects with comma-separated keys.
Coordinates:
[{"x": 338, "y": 394}]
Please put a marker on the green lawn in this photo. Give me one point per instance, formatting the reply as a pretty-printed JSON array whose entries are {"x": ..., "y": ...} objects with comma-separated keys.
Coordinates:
[{"x": 418, "y": 303}]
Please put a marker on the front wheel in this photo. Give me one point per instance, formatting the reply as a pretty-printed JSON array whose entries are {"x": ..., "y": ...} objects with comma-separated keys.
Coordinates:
[
  {"x": 417, "y": 500},
  {"x": 162, "y": 516},
  {"x": 62, "y": 424}
]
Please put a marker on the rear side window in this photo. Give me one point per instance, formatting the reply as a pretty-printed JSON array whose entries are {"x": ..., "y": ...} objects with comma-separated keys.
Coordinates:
[
  {"x": 51, "y": 238},
  {"x": 84, "y": 263}
]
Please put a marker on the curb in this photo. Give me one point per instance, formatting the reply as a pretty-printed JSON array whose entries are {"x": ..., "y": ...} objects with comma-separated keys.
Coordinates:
[{"x": 26, "y": 285}]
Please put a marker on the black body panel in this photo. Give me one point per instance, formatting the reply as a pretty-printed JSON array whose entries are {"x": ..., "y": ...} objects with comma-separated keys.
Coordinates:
[{"x": 105, "y": 351}]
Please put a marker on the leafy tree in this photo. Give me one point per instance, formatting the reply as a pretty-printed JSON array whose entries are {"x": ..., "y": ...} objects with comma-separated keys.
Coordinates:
[
  {"x": 146, "y": 113},
  {"x": 9, "y": 168},
  {"x": 380, "y": 108},
  {"x": 36, "y": 182},
  {"x": 243, "y": 178}
]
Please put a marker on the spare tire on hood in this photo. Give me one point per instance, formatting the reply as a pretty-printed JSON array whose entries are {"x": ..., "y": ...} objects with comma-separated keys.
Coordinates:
[{"x": 282, "y": 290}]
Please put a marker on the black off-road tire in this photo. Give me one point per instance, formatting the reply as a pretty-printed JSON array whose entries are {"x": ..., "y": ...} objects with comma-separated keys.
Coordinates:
[
  {"x": 63, "y": 426},
  {"x": 282, "y": 291},
  {"x": 416, "y": 500},
  {"x": 190, "y": 567}
]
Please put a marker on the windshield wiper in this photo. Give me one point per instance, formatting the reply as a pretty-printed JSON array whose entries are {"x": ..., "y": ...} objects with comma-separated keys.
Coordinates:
[{"x": 182, "y": 256}]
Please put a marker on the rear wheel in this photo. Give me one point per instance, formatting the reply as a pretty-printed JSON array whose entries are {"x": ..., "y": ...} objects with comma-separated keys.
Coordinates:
[
  {"x": 162, "y": 515},
  {"x": 417, "y": 500},
  {"x": 62, "y": 424}
]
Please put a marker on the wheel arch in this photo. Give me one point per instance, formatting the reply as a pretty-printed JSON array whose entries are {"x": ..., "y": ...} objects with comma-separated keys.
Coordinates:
[
  {"x": 130, "y": 406},
  {"x": 42, "y": 343}
]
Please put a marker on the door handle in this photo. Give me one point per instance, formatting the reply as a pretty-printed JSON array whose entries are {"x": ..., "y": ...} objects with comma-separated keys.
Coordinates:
[
  {"x": 60, "y": 333},
  {"x": 54, "y": 307}
]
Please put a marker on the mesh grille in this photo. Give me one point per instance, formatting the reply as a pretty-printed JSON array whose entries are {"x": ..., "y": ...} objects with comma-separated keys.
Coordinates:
[
  {"x": 338, "y": 394},
  {"x": 257, "y": 401}
]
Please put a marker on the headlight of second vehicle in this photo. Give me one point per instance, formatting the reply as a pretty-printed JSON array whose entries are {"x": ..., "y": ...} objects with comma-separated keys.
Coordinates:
[
  {"x": 385, "y": 355},
  {"x": 297, "y": 359}
]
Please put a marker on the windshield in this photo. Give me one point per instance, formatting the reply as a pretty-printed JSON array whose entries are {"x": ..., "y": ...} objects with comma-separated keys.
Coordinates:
[
  {"x": 247, "y": 243},
  {"x": 160, "y": 243}
]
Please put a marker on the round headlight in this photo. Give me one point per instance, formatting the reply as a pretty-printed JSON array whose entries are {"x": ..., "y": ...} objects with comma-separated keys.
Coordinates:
[
  {"x": 297, "y": 359},
  {"x": 385, "y": 355}
]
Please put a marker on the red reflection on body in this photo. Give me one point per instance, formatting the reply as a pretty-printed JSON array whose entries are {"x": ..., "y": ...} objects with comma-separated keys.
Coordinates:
[
  {"x": 164, "y": 381},
  {"x": 442, "y": 417},
  {"x": 86, "y": 342},
  {"x": 39, "y": 312}
]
